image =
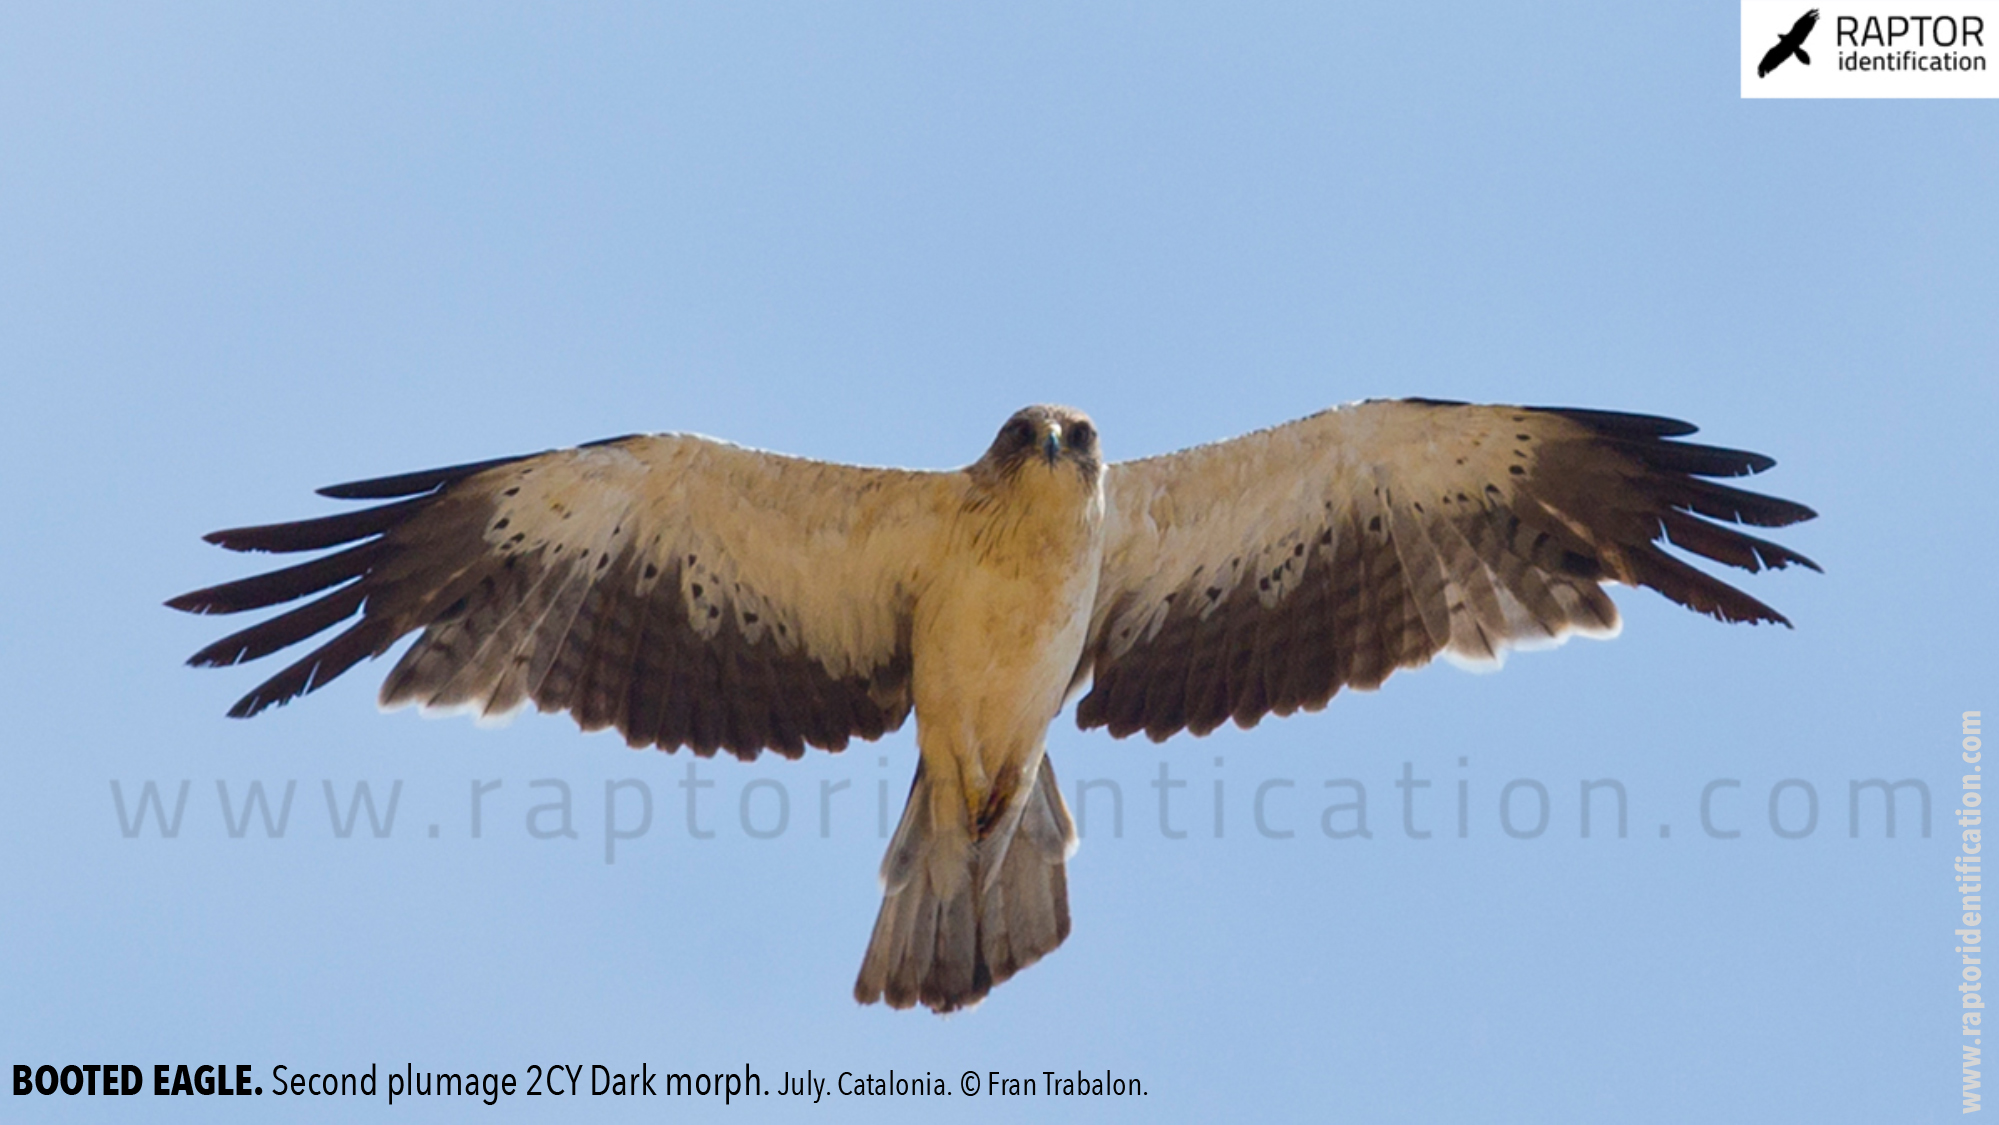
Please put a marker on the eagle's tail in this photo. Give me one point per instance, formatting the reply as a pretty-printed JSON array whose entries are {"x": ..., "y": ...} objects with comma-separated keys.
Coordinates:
[
  {"x": 959, "y": 915},
  {"x": 1802, "y": 57}
]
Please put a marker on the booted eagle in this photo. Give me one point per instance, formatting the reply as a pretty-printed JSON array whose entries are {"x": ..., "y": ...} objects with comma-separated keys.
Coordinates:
[{"x": 693, "y": 593}]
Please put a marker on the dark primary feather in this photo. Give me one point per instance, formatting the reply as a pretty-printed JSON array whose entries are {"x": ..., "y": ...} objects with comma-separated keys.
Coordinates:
[
  {"x": 316, "y": 534},
  {"x": 410, "y": 484}
]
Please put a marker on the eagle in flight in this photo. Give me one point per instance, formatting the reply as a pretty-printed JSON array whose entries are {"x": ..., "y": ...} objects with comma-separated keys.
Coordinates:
[
  {"x": 1788, "y": 44},
  {"x": 689, "y": 592}
]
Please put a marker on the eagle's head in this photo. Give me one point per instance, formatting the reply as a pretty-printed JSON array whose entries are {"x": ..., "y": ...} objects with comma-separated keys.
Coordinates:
[{"x": 1047, "y": 439}]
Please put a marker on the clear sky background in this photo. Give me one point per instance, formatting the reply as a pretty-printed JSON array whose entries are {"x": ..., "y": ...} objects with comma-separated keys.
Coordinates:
[{"x": 247, "y": 252}]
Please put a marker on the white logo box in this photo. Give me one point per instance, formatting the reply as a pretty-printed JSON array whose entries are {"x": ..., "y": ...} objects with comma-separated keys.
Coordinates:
[{"x": 1894, "y": 49}]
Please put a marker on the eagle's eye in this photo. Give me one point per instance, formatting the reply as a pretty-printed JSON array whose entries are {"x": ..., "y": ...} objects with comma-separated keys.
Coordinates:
[
  {"x": 1019, "y": 433},
  {"x": 1081, "y": 435}
]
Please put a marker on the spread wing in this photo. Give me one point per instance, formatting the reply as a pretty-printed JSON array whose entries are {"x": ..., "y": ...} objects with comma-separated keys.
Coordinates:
[
  {"x": 685, "y": 591},
  {"x": 1264, "y": 573},
  {"x": 1774, "y": 56},
  {"x": 1803, "y": 27}
]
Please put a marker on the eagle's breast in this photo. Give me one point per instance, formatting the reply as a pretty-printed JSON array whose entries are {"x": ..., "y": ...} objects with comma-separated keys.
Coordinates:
[{"x": 1001, "y": 621}]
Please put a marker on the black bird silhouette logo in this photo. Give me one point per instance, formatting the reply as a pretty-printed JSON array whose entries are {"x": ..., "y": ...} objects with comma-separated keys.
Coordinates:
[{"x": 1790, "y": 43}]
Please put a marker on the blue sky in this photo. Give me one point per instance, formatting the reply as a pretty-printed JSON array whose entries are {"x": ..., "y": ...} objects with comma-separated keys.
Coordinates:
[{"x": 246, "y": 252}]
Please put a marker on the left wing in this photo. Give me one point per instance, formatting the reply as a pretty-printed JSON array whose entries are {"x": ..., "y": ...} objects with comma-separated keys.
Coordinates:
[
  {"x": 686, "y": 591},
  {"x": 1264, "y": 573},
  {"x": 1773, "y": 57}
]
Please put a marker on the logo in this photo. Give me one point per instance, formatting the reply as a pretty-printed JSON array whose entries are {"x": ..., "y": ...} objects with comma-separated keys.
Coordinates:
[
  {"x": 1870, "y": 49},
  {"x": 1790, "y": 43}
]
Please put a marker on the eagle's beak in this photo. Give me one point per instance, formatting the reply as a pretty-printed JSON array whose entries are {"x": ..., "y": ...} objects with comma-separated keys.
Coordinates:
[{"x": 1051, "y": 440}]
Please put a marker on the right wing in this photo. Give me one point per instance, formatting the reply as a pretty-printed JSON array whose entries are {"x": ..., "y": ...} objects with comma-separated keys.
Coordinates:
[{"x": 685, "y": 591}]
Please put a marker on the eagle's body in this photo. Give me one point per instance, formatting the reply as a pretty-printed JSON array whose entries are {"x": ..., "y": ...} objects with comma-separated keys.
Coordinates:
[
  {"x": 693, "y": 593},
  {"x": 999, "y": 627},
  {"x": 997, "y": 631}
]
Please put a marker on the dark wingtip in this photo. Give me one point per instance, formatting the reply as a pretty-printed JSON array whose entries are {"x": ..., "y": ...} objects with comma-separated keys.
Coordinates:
[
  {"x": 235, "y": 539},
  {"x": 1617, "y": 423},
  {"x": 619, "y": 440},
  {"x": 315, "y": 534},
  {"x": 1774, "y": 618},
  {"x": 248, "y": 706},
  {"x": 363, "y": 533},
  {"x": 411, "y": 484},
  {"x": 288, "y": 584},
  {"x": 317, "y": 669},
  {"x": 1766, "y": 616}
]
